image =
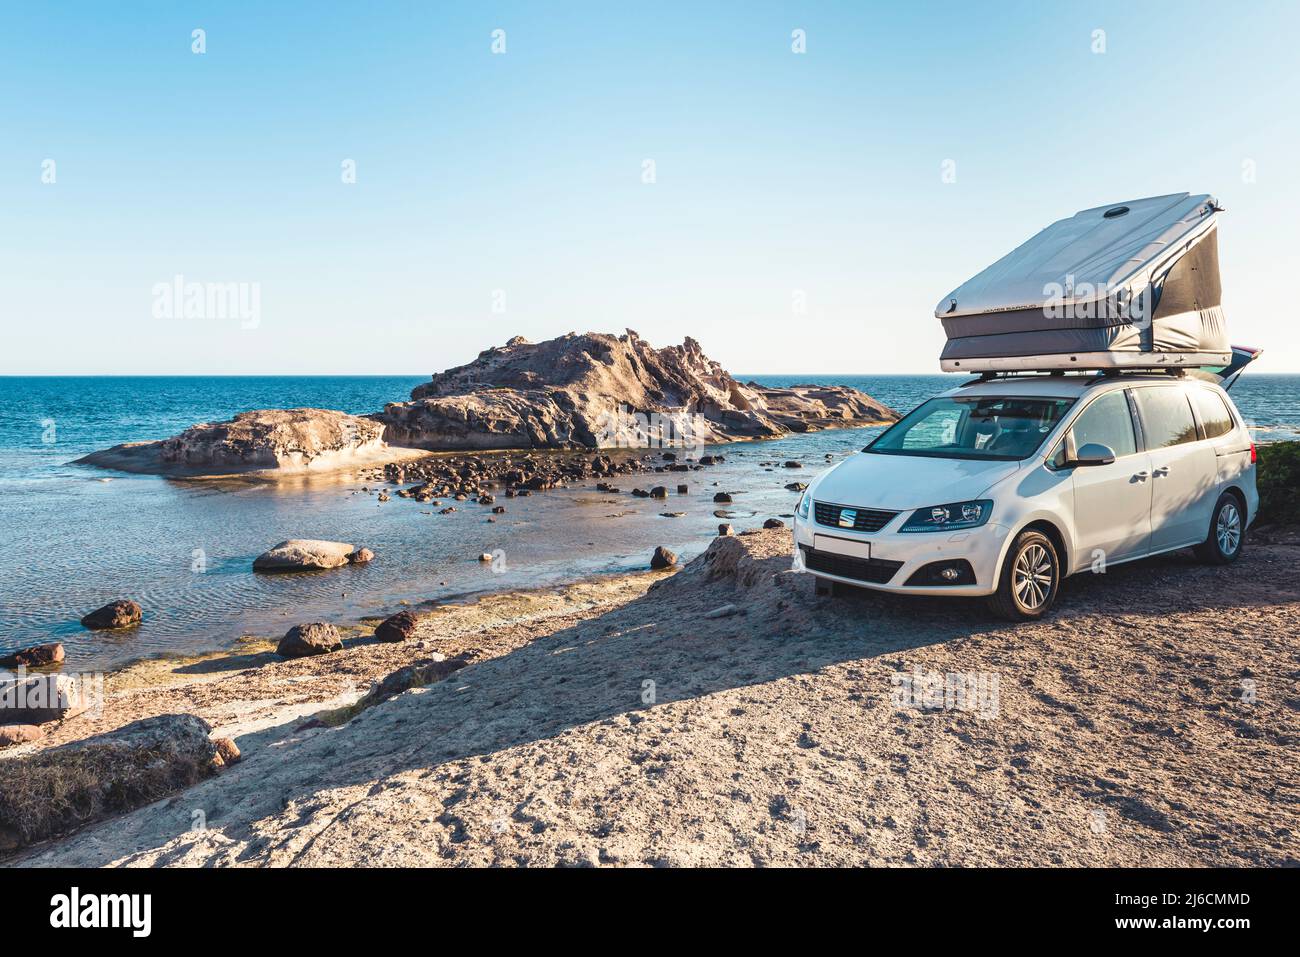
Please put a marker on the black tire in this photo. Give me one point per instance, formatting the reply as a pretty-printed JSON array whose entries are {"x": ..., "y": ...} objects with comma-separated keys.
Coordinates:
[
  {"x": 1030, "y": 579},
  {"x": 1227, "y": 534}
]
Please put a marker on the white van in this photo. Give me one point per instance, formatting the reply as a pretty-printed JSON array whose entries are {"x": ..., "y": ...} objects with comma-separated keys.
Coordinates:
[{"x": 1005, "y": 486}]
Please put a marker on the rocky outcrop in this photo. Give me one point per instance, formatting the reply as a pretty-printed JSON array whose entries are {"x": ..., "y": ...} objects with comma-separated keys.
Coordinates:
[
  {"x": 278, "y": 441},
  {"x": 603, "y": 391},
  {"x": 122, "y": 613},
  {"x": 310, "y": 554}
]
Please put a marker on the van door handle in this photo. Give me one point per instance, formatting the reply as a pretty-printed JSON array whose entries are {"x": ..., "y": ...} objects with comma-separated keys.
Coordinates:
[
  {"x": 1141, "y": 476},
  {"x": 1163, "y": 470}
]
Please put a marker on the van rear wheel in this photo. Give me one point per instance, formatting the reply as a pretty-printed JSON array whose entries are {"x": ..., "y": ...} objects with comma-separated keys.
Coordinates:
[
  {"x": 1030, "y": 579},
  {"x": 1227, "y": 535}
]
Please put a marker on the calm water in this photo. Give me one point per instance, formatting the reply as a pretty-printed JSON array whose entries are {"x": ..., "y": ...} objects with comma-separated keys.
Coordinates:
[{"x": 74, "y": 537}]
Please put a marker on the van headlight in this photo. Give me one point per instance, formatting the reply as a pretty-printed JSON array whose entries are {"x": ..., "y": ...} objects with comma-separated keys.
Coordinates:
[
  {"x": 951, "y": 517},
  {"x": 805, "y": 506}
]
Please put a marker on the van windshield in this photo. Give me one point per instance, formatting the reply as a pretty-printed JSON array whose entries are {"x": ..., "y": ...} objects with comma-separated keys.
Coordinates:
[{"x": 1005, "y": 428}]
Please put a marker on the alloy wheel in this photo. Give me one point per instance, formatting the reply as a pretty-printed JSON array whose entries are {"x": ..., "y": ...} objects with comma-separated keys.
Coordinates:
[
  {"x": 1227, "y": 528},
  {"x": 1032, "y": 577}
]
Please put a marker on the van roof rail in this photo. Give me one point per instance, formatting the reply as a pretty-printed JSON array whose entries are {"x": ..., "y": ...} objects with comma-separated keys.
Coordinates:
[{"x": 1097, "y": 375}]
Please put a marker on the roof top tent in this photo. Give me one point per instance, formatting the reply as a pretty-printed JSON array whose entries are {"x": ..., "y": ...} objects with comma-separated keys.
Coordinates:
[{"x": 1131, "y": 285}]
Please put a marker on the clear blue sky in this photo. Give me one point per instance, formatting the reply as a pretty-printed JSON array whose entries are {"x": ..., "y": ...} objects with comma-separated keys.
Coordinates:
[{"x": 522, "y": 172}]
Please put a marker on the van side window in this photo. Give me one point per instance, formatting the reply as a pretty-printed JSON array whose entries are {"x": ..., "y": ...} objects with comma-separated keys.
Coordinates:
[
  {"x": 1107, "y": 422},
  {"x": 1166, "y": 416},
  {"x": 1215, "y": 418}
]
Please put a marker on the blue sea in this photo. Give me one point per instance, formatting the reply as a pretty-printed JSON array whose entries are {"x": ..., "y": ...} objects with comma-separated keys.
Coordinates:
[{"x": 74, "y": 537}]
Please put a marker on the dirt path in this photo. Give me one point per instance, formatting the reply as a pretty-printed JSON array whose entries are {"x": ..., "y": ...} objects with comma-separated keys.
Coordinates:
[{"x": 1154, "y": 719}]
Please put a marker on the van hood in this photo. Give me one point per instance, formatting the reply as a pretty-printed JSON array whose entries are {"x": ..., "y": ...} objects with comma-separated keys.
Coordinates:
[{"x": 901, "y": 482}]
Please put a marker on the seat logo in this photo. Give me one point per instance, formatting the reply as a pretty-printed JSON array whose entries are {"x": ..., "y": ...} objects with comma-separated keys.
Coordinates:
[{"x": 848, "y": 517}]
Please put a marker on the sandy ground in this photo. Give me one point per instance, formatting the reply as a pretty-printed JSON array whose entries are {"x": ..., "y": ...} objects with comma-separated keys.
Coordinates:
[{"x": 1153, "y": 719}]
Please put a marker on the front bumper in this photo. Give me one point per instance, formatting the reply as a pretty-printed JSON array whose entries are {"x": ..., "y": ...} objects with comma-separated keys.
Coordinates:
[{"x": 895, "y": 556}]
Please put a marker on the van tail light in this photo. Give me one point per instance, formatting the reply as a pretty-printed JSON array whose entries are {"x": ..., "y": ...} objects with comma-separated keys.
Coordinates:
[{"x": 1252, "y": 453}]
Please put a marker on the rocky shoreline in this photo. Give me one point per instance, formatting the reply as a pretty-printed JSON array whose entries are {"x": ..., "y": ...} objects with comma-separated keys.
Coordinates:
[
  {"x": 518, "y": 728},
  {"x": 591, "y": 392}
]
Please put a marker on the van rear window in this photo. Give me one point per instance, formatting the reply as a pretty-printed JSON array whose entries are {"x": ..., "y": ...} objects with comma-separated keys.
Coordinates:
[{"x": 1215, "y": 418}]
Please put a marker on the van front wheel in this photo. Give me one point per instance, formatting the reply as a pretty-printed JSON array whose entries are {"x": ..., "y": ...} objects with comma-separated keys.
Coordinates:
[{"x": 1030, "y": 580}]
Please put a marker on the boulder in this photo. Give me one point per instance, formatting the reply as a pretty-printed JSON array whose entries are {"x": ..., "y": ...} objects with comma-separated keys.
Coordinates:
[
  {"x": 659, "y": 491},
  {"x": 726, "y": 529},
  {"x": 663, "y": 558},
  {"x": 35, "y": 699},
  {"x": 227, "y": 751},
  {"x": 397, "y": 627},
  {"x": 122, "y": 613},
  {"x": 774, "y": 523},
  {"x": 312, "y": 638},
  {"x": 37, "y": 656},
  {"x": 722, "y": 497},
  {"x": 12, "y": 734},
  {"x": 309, "y": 554},
  {"x": 57, "y": 790}
]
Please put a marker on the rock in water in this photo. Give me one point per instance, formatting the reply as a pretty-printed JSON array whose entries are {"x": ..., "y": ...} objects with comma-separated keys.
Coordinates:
[
  {"x": 313, "y": 638},
  {"x": 38, "y": 656},
  {"x": 397, "y": 627},
  {"x": 309, "y": 554},
  {"x": 726, "y": 529},
  {"x": 663, "y": 558},
  {"x": 116, "y": 614},
  {"x": 723, "y": 498},
  {"x": 277, "y": 440},
  {"x": 774, "y": 523},
  {"x": 574, "y": 392}
]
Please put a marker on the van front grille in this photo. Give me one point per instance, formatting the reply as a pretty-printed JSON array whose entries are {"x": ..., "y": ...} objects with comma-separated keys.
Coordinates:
[
  {"x": 864, "y": 519},
  {"x": 877, "y": 571}
]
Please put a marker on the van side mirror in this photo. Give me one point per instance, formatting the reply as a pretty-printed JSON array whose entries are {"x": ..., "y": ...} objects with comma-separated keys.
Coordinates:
[{"x": 1093, "y": 453}]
